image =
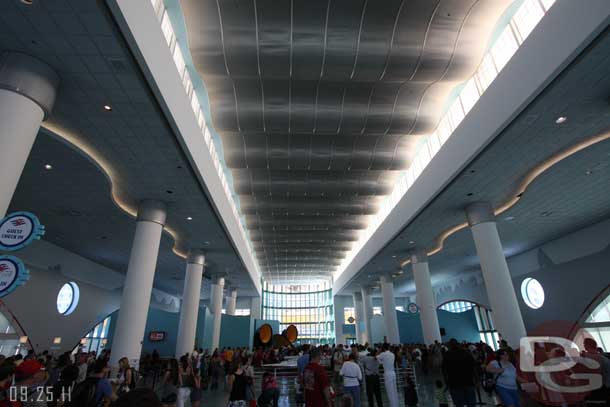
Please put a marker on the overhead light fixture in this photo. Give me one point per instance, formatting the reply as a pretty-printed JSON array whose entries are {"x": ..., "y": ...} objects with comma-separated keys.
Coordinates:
[
  {"x": 509, "y": 218},
  {"x": 394, "y": 256},
  {"x": 189, "y": 218},
  {"x": 107, "y": 108},
  {"x": 561, "y": 119},
  {"x": 411, "y": 242},
  {"x": 48, "y": 167},
  {"x": 588, "y": 172},
  {"x": 27, "y": 2}
]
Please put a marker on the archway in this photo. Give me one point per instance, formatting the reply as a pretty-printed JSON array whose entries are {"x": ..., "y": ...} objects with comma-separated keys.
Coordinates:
[
  {"x": 13, "y": 339},
  {"x": 596, "y": 319},
  {"x": 487, "y": 330}
]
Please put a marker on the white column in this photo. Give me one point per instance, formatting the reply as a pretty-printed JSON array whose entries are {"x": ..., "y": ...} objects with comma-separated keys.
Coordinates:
[
  {"x": 358, "y": 314},
  {"x": 217, "y": 289},
  {"x": 27, "y": 93},
  {"x": 425, "y": 298},
  {"x": 339, "y": 320},
  {"x": 500, "y": 291},
  {"x": 367, "y": 314},
  {"x": 232, "y": 302},
  {"x": 191, "y": 296},
  {"x": 255, "y": 307},
  {"x": 135, "y": 301},
  {"x": 389, "y": 309}
]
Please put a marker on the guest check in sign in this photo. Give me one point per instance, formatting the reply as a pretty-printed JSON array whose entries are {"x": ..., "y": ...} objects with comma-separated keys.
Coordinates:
[
  {"x": 18, "y": 230},
  {"x": 12, "y": 274}
]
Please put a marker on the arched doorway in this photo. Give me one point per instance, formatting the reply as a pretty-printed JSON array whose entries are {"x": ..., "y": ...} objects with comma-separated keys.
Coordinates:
[
  {"x": 13, "y": 339},
  {"x": 487, "y": 330},
  {"x": 596, "y": 319},
  {"x": 97, "y": 338}
]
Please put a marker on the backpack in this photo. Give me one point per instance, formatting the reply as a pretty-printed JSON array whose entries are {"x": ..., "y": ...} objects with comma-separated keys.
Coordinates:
[
  {"x": 83, "y": 394},
  {"x": 489, "y": 383}
]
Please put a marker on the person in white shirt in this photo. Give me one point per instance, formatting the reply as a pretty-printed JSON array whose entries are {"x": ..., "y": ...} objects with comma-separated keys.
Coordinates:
[
  {"x": 352, "y": 376},
  {"x": 387, "y": 358}
]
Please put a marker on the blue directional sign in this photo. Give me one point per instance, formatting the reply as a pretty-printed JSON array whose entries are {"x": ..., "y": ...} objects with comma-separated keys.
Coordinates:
[{"x": 12, "y": 274}]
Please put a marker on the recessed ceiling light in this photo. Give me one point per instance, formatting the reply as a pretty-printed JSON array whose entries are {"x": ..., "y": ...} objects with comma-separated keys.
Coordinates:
[
  {"x": 411, "y": 242},
  {"x": 394, "y": 256},
  {"x": 509, "y": 218},
  {"x": 588, "y": 172},
  {"x": 48, "y": 167},
  {"x": 107, "y": 108},
  {"x": 206, "y": 243},
  {"x": 561, "y": 119},
  {"x": 27, "y": 2},
  {"x": 189, "y": 218}
]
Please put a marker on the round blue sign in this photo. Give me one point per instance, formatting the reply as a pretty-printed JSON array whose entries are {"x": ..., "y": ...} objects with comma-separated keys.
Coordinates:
[
  {"x": 18, "y": 230},
  {"x": 12, "y": 274}
]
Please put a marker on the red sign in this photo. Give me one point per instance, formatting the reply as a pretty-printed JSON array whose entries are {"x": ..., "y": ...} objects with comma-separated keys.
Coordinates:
[{"x": 156, "y": 336}]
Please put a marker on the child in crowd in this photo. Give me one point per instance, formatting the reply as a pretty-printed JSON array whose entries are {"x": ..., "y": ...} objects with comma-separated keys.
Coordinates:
[
  {"x": 410, "y": 393},
  {"x": 440, "y": 392}
]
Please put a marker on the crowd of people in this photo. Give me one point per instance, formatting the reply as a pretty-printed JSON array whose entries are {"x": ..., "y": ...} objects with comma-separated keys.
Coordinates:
[{"x": 327, "y": 375}]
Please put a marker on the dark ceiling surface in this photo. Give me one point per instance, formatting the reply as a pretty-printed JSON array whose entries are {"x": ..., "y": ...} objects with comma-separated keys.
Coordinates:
[
  {"x": 321, "y": 103},
  {"x": 79, "y": 40},
  {"x": 568, "y": 196}
]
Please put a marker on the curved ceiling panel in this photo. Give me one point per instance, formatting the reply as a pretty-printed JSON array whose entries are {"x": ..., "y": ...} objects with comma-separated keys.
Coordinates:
[{"x": 320, "y": 103}]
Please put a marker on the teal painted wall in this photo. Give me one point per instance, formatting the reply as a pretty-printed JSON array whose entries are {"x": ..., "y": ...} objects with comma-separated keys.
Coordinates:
[
  {"x": 161, "y": 321},
  {"x": 235, "y": 331},
  {"x": 461, "y": 326},
  {"x": 167, "y": 322}
]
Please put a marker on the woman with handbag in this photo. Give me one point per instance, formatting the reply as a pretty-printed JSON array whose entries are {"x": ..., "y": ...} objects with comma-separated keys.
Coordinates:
[
  {"x": 238, "y": 386},
  {"x": 126, "y": 378},
  {"x": 505, "y": 380}
]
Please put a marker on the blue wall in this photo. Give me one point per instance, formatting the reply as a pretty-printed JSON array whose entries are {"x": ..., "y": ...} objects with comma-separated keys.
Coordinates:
[
  {"x": 461, "y": 326},
  {"x": 235, "y": 331},
  {"x": 159, "y": 320},
  {"x": 205, "y": 325}
]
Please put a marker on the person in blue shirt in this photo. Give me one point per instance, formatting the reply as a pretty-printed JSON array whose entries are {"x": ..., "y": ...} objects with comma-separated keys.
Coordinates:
[
  {"x": 303, "y": 360},
  {"x": 103, "y": 391}
]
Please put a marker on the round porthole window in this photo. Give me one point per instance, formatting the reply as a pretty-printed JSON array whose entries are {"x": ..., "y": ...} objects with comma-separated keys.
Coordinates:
[
  {"x": 67, "y": 299},
  {"x": 532, "y": 293}
]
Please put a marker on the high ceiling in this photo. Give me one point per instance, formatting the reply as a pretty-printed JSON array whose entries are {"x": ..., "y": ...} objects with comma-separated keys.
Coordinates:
[
  {"x": 321, "y": 103},
  {"x": 566, "y": 197},
  {"x": 129, "y": 153}
]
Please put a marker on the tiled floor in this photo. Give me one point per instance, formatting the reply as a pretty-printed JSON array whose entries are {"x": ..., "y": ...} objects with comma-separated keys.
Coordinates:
[{"x": 425, "y": 392}]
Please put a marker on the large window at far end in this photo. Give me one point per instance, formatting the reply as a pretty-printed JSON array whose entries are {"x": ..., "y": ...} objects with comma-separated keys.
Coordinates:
[{"x": 309, "y": 307}]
